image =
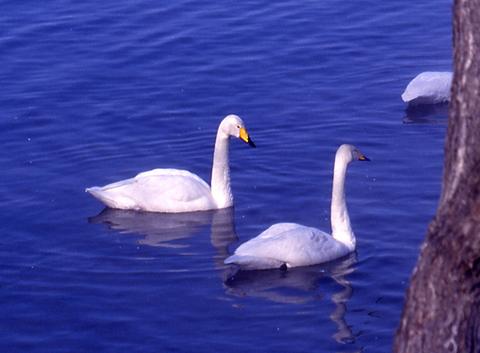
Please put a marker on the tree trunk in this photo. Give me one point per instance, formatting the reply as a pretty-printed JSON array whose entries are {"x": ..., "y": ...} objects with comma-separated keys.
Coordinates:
[{"x": 442, "y": 308}]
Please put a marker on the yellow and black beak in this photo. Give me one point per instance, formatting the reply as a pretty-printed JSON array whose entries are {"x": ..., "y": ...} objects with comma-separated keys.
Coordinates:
[
  {"x": 363, "y": 158},
  {"x": 245, "y": 137}
]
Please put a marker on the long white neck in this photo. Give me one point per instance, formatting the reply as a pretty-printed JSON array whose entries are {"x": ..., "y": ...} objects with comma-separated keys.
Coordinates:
[
  {"x": 220, "y": 183},
  {"x": 341, "y": 227}
]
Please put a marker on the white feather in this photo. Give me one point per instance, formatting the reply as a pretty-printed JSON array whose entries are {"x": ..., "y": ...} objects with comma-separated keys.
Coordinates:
[
  {"x": 428, "y": 88},
  {"x": 158, "y": 190}
]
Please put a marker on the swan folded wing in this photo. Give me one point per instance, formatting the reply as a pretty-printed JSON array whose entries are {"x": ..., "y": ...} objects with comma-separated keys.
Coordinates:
[
  {"x": 172, "y": 190},
  {"x": 294, "y": 245},
  {"x": 161, "y": 190}
]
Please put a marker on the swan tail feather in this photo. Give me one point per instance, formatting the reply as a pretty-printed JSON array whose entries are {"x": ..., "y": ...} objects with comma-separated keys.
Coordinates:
[
  {"x": 254, "y": 263},
  {"x": 102, "y": 195}
]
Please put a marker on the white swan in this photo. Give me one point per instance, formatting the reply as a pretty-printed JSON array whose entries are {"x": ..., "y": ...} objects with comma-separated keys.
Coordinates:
[
  {"x": 292, "y": 245},
  {"x": 174, "y": 190},
  {"x": 428, "y": 88}
]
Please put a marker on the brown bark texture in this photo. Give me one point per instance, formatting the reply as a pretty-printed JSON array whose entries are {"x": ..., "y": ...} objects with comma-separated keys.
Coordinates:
[{"x": 442, "y": 307}]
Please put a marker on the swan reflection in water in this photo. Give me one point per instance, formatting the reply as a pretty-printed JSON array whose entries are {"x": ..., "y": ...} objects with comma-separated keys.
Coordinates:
[
  {"x": 300, "y": 285},
  {"x": 157, "y": 229},
  {"x": 426, "y": 114},
  {"x": 294, "y": 286},
  {"x": 167, "y": 229}
]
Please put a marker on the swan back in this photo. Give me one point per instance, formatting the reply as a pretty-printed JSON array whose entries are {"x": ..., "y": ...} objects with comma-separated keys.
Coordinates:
[
  {"x": 158, "y": 190},
  {"x": 290, "y": 244},
  {"x": 429, "y": 88}
]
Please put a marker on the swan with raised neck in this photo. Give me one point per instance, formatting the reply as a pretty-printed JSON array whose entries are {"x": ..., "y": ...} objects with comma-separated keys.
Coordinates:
[
  {"x": 175, "y": 190},
  {"x": 231, "y": 125},
  {"x": 285, "y": 245},
  {"x": 339, "y": 218}
]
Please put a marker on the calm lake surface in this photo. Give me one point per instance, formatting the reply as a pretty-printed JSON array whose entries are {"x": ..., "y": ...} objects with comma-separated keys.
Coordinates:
[{"x": 94, "y": 92}]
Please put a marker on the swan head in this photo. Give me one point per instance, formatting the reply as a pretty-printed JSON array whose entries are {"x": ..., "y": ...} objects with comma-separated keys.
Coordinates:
[
  {"x": 349, "y": 153},
  {"x": 233, "y": 125}
]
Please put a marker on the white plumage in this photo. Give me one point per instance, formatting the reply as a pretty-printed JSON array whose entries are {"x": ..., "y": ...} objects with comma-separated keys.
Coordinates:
[
  {"x": 161, "y": 190},
  {"x": 174, "y": 190},
  {"x": 292, "y": 245},
  {"x": 428, "y": 88}
]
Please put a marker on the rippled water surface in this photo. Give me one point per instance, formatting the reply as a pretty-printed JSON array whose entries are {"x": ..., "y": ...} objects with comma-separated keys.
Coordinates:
[{"x": 94, "y": 92}]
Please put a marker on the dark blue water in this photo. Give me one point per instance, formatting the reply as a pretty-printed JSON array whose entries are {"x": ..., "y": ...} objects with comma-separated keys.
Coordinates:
[{"x": 94, "y": 92}]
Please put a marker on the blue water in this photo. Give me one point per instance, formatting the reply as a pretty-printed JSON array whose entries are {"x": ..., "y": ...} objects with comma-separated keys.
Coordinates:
[{"x": 94, "y": 92}]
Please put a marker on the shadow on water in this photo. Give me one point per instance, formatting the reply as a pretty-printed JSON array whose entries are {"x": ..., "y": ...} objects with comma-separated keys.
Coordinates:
[{"x": 426, "y": 114}]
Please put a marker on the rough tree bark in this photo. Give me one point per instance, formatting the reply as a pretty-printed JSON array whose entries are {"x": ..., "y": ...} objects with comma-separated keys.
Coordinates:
[{"x": 442, "y": 308}]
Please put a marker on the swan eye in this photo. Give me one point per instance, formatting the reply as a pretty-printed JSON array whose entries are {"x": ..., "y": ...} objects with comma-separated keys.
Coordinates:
[{"x": 238, "y": 126}]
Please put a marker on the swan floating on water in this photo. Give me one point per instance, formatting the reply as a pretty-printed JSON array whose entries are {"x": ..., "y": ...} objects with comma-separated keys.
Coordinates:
[
  {"x": 285, "y": 245},
  {"x": 428, "y": 88},
  {"x": 174, "y": 190}
]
